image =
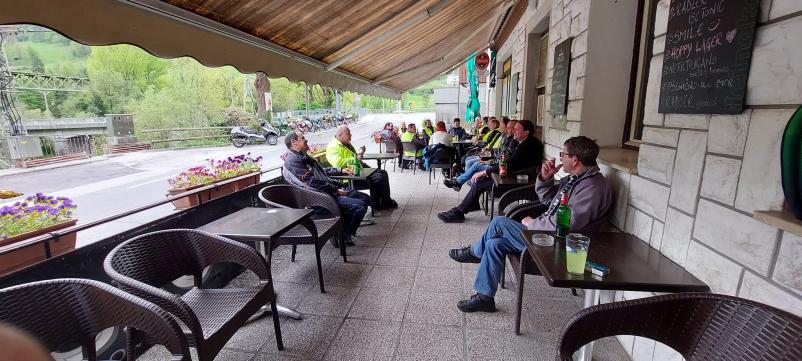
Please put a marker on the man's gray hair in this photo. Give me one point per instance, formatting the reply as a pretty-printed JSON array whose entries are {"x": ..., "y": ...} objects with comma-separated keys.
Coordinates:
[
  {"x": 340, "y": 130},
  {"x": 293, "y": 135}
]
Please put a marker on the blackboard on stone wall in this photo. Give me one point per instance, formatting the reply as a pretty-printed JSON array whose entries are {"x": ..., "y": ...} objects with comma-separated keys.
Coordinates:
[
  {"x": 707, "y": 56},
  {"x": 559, "y": 78}
]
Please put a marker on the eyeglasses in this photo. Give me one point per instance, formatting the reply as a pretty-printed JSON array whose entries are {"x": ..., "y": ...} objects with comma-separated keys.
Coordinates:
[{"x": 565, "y": 154}]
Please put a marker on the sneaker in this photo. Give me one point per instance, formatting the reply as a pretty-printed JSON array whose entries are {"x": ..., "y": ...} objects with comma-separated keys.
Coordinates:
[
  {"x": 477, "y": 302},
  {"x": 464, "y": 255},
  {"x": 450, "y": 183},
  {"x": 451, "y": 216},
  {"x": 349, "y": 241}
]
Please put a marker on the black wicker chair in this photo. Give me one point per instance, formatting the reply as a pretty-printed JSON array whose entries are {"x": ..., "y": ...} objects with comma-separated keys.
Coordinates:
[
  {"x": 700, "y": 326},
  {"x": 210, "y": 317},
  {"x": 66, "y": 313},
  {"x": 522, "y": 264},
  {"x": 413, "y": 148},
  {"x": 322, "y": 229},
  {"x": 517, "y": 197}
]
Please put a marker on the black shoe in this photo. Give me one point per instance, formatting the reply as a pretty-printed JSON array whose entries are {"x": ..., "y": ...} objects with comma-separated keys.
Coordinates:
[
  {"x": 392, "y": 204},
  {"x": 451, "y": 217},
  {"x": 477, "y": 302},
  {"x": 464, "y": 255},
  {"x": 448, "y": 183},
  {"x": 349, "y": 241}
]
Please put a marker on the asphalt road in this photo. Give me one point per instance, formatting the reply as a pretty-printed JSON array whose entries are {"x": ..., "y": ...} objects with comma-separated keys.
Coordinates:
[{"x": 120, "y": 183}]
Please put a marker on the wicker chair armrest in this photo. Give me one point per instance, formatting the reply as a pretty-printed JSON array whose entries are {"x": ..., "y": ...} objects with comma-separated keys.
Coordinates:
[
  {"x": 218, "y": 249},
  {"x": 700, "y": 326},
  {"x": 525, "y": 193},
  {"x": 522, "y": 211},
  {"x": 166, "y": 300},
  {"x": 74, "y": 299}
]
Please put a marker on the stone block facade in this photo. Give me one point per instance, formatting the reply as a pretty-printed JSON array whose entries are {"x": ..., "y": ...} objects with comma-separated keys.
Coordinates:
[{"x": 700, "y": 177}]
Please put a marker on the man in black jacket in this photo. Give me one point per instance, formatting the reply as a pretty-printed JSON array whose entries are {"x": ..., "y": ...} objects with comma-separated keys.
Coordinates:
[
  {"x": 528, "y": 155},
  {"x": 353, "y": 204}
]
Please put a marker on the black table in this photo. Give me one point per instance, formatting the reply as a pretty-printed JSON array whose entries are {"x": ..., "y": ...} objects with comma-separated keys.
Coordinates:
[
  {"x": 379, "y": 157},
  {"x": 261, "y": 225},
  {"x": 504, "y": 184},
  {"x": 634, "y": 266}
]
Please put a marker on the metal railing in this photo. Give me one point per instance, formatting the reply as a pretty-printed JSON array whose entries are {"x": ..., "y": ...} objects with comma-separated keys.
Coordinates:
[{"x": 177, "y": 137}]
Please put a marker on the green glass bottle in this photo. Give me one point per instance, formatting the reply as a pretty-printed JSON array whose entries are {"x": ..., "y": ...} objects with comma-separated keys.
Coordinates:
[
  {"x": 357, "y": 167},
  {"x": 563, "y": 216}
]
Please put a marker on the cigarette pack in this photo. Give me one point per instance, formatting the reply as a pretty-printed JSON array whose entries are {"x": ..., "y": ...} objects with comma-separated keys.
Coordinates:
[{"x": 597, "y": 269}]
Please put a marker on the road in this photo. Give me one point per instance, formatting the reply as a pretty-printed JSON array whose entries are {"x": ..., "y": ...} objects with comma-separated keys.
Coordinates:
[{"x": 119, "y": 183}]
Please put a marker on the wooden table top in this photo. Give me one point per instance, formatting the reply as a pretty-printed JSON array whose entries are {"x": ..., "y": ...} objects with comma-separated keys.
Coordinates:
[
  {"x": 634, "y": 265},
  {"x": 257, "y": 223}
]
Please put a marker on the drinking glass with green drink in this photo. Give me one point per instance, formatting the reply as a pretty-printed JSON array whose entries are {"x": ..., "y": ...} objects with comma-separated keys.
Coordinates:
[{"x": 576, "y": 252}]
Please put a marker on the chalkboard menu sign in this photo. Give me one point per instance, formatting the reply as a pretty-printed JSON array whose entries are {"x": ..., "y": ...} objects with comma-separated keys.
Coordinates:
[
  {"x": 707, "y": 56},
  {"x": 559, "y": 78}
]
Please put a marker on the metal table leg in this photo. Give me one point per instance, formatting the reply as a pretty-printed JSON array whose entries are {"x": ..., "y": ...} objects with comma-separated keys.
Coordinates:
[{"x": 282, "y": 310}]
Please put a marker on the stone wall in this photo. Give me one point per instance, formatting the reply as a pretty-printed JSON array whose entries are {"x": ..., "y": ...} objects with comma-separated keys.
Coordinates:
[{"x": 699, "y": 177}]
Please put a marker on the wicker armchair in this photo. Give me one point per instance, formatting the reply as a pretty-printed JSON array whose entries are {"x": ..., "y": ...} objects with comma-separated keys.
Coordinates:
[
  {"x": 289, "y": 196},
  {"x": 517, "y": 197},
  {"x": 700, "y": 326},
  {"x": 145, "y": 263},
  {"x": 71, "y": 312},
  {"x": 523, "y": 264}
]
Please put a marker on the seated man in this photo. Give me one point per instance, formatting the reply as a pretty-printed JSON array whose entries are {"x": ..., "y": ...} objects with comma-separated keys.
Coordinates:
[
  {"x": 411, "y": 135},
  {"x": 458, "y": 131},
  {"x": 306, "y": 169},
  {"x": 440, "y": 136},
  {"x": 341, "y": 154},
  {"x": 589, "y": 198},
  {"x": 527, "y": 155},
  {"x": 474, "y": 164}
]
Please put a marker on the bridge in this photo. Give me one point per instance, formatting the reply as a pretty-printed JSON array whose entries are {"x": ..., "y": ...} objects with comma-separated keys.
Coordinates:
[{"x": 66, "y": 126}]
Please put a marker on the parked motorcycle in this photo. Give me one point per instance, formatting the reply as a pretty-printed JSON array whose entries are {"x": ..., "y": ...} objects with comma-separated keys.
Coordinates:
[{"x": 240, "y": 136}]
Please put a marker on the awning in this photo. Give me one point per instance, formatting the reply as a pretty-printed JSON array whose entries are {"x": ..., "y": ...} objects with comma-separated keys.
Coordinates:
[{"x": 374, "y": 47}]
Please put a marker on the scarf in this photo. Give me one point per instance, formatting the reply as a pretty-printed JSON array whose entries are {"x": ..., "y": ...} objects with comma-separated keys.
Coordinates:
[{"x": 572, "y": 181}]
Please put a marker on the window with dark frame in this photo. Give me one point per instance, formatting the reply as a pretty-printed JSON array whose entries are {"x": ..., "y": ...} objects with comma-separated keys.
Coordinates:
[
  {"x": 641, "y": 58},
  {"x": 505, "y": 87}
]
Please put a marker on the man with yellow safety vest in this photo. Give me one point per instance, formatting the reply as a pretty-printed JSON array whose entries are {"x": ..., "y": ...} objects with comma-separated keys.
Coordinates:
[
  {"x": 411, "y": 135},
  {"x": 428, "y": 130},
  {"x": 341, "y": 154}
]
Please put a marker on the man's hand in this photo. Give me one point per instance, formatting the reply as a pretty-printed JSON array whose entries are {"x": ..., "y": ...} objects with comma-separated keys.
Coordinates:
[
  {"x": 527, "y": 221},
  {"x": 548, "y": 169},
  {"x": 346, "y": 171},
  {"x": 362, "y": 150},
  {"x": 476, "y": 177},
  {"x": 342, "y": 192}
]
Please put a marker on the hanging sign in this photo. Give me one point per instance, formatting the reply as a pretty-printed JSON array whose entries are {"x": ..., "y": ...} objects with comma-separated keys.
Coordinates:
[
  {"x": 482, "y": 62},
  {"x": 559, "y": 78},
  {"x": 707, "y": 56}
]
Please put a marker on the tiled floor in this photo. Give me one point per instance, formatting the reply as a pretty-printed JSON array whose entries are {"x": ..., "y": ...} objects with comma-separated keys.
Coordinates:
[{"x": 396, "y": 297}]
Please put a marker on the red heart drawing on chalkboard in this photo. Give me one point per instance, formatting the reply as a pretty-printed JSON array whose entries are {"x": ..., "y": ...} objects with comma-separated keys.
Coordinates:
[{"x": 731, "y": 35}]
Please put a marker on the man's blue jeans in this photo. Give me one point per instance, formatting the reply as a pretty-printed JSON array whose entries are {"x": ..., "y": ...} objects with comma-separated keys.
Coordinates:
[
  {"x": 469, "y": 161},
  {"x": 353, "y": 208},
  {"x": 474, "y": 168},
  {"x": 503, "y": 236}
]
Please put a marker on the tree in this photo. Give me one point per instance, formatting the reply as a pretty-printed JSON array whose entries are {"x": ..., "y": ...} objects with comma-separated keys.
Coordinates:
[
  {"x": 262, "y": 84},
  {"x": 122, "y": 73}
]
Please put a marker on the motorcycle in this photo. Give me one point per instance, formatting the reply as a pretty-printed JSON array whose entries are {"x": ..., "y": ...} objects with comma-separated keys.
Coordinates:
[{"x": 245, "y": 135}]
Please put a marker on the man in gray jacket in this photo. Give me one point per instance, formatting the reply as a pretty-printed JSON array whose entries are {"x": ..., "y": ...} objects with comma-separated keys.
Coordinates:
[{"x": 589, "y": 198}]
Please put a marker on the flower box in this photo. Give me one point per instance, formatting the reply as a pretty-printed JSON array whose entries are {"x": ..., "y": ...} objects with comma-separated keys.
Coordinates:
[
  {"x": 27, "y": 256},
  {"x": 252, "y": 179},
  {"x": 193, "y": 200}
]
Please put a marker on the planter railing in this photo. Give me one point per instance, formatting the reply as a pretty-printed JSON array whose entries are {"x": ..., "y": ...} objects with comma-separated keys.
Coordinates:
[{"x": 50, "y": 239}]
